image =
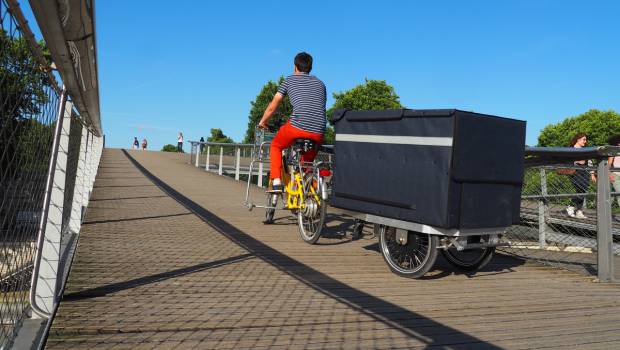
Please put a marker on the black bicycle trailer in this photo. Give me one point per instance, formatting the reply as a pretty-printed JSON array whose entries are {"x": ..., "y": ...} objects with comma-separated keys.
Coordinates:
[{"x": 430, "y": 180}]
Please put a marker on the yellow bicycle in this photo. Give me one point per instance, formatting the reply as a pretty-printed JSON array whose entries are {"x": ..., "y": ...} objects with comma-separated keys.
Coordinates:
[{"x": 305, "y": 187}]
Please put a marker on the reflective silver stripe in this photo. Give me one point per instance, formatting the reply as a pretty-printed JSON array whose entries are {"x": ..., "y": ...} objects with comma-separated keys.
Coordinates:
[{"x": 399, "y": 140}]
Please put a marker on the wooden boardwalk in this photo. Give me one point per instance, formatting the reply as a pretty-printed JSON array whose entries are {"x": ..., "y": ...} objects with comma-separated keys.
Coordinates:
[{"x": 169, "y": 258}]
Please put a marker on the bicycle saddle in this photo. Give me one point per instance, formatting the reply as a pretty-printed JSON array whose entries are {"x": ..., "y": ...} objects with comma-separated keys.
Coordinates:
[{"x": 304, "y": 145}]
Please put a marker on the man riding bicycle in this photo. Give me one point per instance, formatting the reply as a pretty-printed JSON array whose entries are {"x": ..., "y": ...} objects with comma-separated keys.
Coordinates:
[{"x": 308, "y": 97}]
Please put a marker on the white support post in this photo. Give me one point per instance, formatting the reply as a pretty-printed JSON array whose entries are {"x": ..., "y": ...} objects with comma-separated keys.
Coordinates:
[
  {"x": 237, "y": 162},
  {"x": 75, "y": 222},
  {"x": 45, "y": 276},
  {"x": 89, "y": 164},
  {"x": 260, "y": 174},
  {"x": 82, "y": 179},
  {"x": 97, "y": 157},
  {"x": 208, "y": 155},
  {"x": 197, "y": 155},
  {"x": 93, "y": 167},
  {"x": 221, "y": 168}
]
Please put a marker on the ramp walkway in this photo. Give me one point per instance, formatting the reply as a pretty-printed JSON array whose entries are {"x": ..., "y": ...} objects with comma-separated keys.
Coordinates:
[{"x": 168, "y": 258}]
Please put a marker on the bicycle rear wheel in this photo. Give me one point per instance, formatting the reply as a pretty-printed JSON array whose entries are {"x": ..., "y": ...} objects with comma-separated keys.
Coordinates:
[{"x": 311, "y": 218}]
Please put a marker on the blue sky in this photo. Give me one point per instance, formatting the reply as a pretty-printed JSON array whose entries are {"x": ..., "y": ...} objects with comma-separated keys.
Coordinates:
[{"x": 191, "y": 66}]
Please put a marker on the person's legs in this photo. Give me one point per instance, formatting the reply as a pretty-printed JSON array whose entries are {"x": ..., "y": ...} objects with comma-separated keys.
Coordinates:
[
  {"x": 581, "y": 182},
  {"x": 285, "y": 138},
  {"x": 576, "y": 202}
]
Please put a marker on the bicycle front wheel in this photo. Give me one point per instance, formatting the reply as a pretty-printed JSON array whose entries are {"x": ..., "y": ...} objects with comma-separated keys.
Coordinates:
[
  {"x": 272, "y": 201},
  {"x": 312, "y": 217}
]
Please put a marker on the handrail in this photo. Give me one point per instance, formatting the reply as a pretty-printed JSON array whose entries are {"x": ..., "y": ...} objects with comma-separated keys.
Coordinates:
[
  {"x": 222, "y": 144},
  {"x": 569, "y": 152}
]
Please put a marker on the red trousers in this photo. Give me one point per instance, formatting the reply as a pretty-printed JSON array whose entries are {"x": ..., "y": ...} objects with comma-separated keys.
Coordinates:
[{"x": 284, "y": 139}]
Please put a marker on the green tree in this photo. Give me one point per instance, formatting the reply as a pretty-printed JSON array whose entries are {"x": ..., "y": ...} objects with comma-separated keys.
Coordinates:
[
  {"x": 371, "y": 95},
  {"x": 24, "y": 107},
  {"x": 169, "y": 148},
  {"x": 260, "y": 104},
  {"x": 218, "y": 136},
  {"x": 598, "y": 125}
]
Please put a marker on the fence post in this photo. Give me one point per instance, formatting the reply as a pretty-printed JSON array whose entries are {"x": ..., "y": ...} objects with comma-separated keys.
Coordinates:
[
  {"x": 238, "y": 162},
  {"x": 208, "y": 155},
  {"x": 220, "y": 169},
  {"x": 542, "y": 210},
  {"x": 605, "y": 255},
  {"x": 47, "y": 261},
  {"x": 260, "y": 174},
  {"x": 197, "y": 155}
]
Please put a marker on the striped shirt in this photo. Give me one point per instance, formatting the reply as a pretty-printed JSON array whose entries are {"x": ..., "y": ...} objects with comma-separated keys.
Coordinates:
[{"x": 308, "y": 95}]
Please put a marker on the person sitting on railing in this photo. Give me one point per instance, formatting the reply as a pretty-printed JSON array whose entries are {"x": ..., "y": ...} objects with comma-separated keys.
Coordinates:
[
  {"x": 580, "y": 179},
  {"x": 308, "y": 97},
  {"x": 614, "y": 163}
]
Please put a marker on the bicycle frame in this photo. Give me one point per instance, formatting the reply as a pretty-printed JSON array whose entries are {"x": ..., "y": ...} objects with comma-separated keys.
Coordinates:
[
  {"x": 294, "y": 188},
  {"x": 294, "y": 181}
]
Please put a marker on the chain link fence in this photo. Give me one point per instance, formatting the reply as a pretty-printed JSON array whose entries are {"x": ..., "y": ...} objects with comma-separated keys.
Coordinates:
[
  {"x": 29, "y": 101},
  {"x": 560, "y": 219},
  {"x": 39, "y": 153}
]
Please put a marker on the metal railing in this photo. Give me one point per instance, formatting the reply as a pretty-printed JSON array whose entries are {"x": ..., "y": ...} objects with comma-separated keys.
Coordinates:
[
  {"x": 48, "y": 159},
  {"x": 546, "y": 233},
  {"x": 232, "y": 159},
  {"x": 566, "y": 211}
]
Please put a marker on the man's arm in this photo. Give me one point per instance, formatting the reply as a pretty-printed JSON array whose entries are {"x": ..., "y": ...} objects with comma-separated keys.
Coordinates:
[{"x": 273, "y": 105}]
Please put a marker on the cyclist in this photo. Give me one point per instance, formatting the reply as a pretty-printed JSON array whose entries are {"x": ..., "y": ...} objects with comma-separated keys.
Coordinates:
[{"x": 308, "y": 96}]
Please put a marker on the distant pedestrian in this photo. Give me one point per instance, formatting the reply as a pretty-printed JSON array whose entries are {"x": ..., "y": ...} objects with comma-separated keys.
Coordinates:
[
  {"x": 614, "y": 163},
  {"x": 580, "y": 178},
  {"x": 135, "y": 144},
  {"x": 144, "y": 144},
  {"x": 180, "y": 142},
  {"x": 202, "y": 144}
]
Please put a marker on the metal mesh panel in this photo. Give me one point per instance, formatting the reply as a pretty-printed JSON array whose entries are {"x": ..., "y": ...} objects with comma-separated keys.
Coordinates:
[
  {"x": 558, "y": 218},
  {"x": 28, "y": 105}
]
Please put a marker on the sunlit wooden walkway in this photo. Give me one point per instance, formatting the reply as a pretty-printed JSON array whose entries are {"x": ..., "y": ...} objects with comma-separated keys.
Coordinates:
[{"x": 169, "y": 258}]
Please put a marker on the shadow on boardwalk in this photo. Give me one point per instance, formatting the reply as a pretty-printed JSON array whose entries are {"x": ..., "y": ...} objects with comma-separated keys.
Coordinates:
[
  {"x": 382, "y": 311},
  {"x": 176, "y": 262}
]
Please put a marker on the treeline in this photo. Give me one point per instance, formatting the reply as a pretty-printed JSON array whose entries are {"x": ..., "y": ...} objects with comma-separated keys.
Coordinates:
[
  {"x": 378, "y": 95},
  {"x": 372, "y": 94}
]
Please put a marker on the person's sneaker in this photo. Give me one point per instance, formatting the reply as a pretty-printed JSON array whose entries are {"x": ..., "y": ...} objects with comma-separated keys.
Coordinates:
[
  {"x": 570, "y": 211},
  {"x": 579, "y": 215},
  {"x": 275, "y": 188}
]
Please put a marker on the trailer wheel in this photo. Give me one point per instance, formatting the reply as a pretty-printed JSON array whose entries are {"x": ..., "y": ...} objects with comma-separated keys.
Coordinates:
[
  {"x": 408, "y": 253},
  {"x": 468, "y": 260}
]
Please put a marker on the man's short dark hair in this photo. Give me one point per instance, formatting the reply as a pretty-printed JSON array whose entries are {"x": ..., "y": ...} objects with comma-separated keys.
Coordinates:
[{"x": 303, "y": 62}]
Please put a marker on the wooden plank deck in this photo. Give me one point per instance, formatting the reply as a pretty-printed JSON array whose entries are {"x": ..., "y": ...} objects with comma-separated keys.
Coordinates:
[{"x": 172, "y": 260}]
